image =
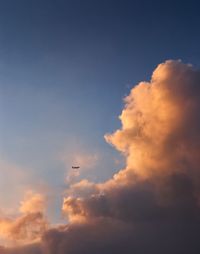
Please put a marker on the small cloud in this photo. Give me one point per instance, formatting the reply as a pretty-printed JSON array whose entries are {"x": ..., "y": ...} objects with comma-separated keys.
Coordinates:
[
  {"x": 29, "y": 225},
  {"x": 85, "y": 161}
]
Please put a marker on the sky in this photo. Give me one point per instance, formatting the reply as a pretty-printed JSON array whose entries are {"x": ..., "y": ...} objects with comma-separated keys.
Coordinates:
[{"x": 66, "y": 68}]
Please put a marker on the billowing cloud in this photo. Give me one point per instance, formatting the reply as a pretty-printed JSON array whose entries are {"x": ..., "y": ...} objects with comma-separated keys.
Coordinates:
[
  {"x": 152, "y": 205},
  {"x": 29, "y": 225},
  {"x": 160, "y": 139},
  {"x": 33, "y": 203},
  {"x": 160, "y": 123}
]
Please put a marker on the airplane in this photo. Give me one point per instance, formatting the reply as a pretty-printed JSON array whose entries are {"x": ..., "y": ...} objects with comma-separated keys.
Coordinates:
[{"x": 75, "y": 167}]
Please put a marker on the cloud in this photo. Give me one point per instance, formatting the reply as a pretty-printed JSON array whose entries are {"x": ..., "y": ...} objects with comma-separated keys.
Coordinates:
[
  {"x": 26, "y": 249},
  {"x": 85, "y": 160},
  {"x": 33, "y": 203},
  {"x": 160, "y": 122},
  {"x": 152, "y": 205},
  {"x": 29, "y": 225}
]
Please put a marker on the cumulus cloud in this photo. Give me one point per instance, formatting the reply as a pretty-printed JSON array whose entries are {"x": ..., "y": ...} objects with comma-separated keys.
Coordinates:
[
  {"x": 33, "y": 203},
  {"x": 29, "y": 225},
  {"x": 152, "y": 205},
  {"x": 160, "y": 139},
  {"x": 160, "y": 122}
]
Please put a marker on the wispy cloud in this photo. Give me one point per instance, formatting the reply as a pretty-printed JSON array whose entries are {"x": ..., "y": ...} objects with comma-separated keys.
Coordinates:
[{"x": 86, "y": 161}]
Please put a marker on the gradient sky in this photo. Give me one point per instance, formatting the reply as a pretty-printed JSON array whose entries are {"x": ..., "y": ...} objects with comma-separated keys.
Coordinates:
[{"x": 65, "y": 67}]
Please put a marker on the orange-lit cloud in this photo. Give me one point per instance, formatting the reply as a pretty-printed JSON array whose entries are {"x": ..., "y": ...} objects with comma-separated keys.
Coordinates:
[
  {"x": 160, "y": 123},
  {"x": 152, "y": 205},
  {"x": 33, "y": 203},
  {"x": 159, "y": 136},
  {"x": 161, "y": 142},
  {"x": 31, "y": 223}
]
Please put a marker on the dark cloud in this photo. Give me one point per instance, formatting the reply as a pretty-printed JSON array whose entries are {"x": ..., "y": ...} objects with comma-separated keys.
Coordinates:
[{"x": 27, "y": 249}]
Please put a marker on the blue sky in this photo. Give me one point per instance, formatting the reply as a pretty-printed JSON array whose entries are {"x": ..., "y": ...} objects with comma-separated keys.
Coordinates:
[{"x": 65, "y": 67}]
